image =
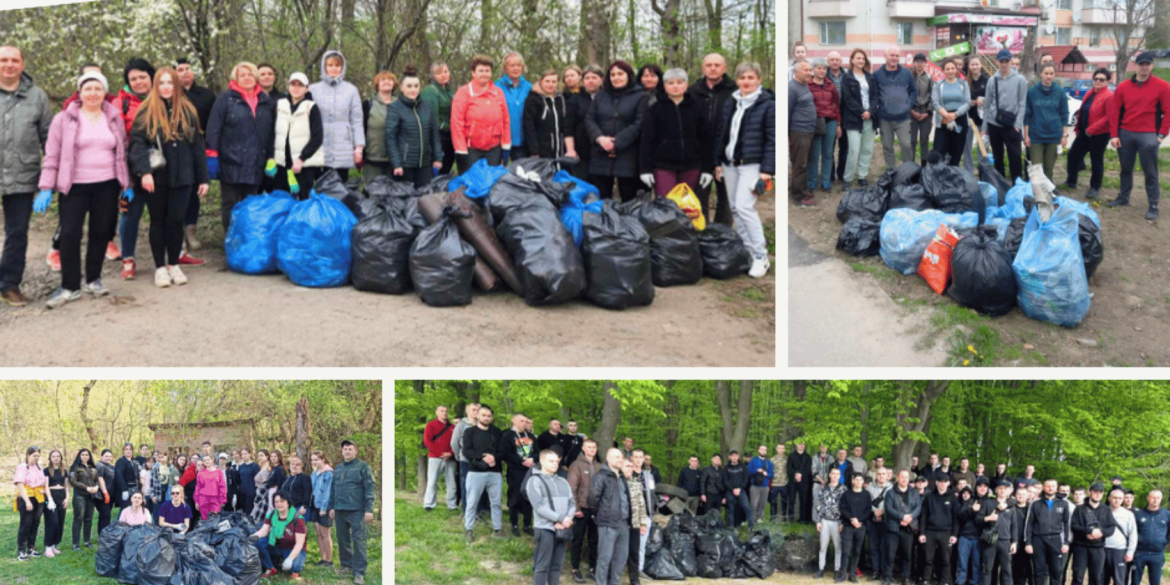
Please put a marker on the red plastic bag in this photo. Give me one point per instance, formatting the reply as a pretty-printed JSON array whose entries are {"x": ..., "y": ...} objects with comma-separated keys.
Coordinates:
[{"x": 936, "y": 260}]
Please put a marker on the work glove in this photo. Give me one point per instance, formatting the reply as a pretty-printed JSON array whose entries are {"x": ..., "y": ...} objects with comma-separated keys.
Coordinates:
[
  {"x": 107, "y": 499},
  {"x": 125, "y": 496},
  {"x": 128, "y": 194},
  {"x": 50, "y": 503},
  {"x": 212, "y": 168},
  {"x": 287, "y": 564},
  {"x": 648, "y": 179},
  {"x": 760, "y": 188},
  {"x": 293, "y": 186},
  {"x": 270, "y": 168},
  {"x": 705, "y": 180},
  {"x": 44, "y": 198}
]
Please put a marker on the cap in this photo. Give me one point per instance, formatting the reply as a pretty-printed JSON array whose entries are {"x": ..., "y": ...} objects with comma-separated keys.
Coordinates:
[
  {"x": 1003, "y": 55},
  {"x": 348, "y": 442},
  {"x": 1144, "y": 57},
  {"x": 1002, "y": 483},
  {"x": 982, "y": 481},
  {"x": 920, "y": 56},
  {"x": 921, "y": 478},
  {"x": 1023, "y": 481},
  {"x": 91, "y": 76},
  {"x": 1116, "y": 478},
  {"x": 301, "y": 77},
  {"x": 222, "y": 456},
  {"x": 1097, "y": 487},
  {"x": 940, "y": 476}
]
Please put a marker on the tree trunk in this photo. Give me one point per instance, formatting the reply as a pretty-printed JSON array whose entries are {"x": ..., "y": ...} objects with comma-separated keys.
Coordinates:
[
  {"x": 304, "y": 428},
  {"x": 593, "y": 47},
  {"x": 421, "y": 472},
  {"x": 735, "y": 426},
  {"x": 486, "y": 14},
  {"x": 714, "y": 12},
  {"x": 611, "y": 415},
  {"x": 865, "y": 420},
  {"x": 913, "y": 417},
  {"x": 93, "y": 438},
  {"x": 671, "y": 31}
]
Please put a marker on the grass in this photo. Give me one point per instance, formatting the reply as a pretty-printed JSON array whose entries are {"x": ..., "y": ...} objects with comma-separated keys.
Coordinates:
[{"x": 77, "y": 568}]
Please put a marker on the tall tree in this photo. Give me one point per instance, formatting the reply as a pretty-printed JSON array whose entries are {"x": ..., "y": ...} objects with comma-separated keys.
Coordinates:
[
  {"x": 668, "y": 12},
  {"x": 735, "y": 423},
  {"x": 914, "y": 400}
]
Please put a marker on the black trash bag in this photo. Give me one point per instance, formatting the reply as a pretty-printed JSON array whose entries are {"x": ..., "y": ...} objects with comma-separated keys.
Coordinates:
[
  {"x": 330, "y": 183},
  {"x": 682, "y": 547},
  {"x": 989, "y": 175},
  {"x": 384, "y": 186},
  {"x": 860, "y": 236},
  {"x": 869, "y": 202},
  {"x": 381, "y": 251},
  {"x": 911, "y": 196},
  {"x": 199, "y": 566},
  {"x": 712, "y": 521},
  {"x": 659, "y": 563},
  {"x": 685, "y": 524},
  {"x": 109, "y": 549},
  {"x": 1014, "y": 235},
  {"x": 512, "y": 192},
  {"x": 237, "y": 557},
  {"x": 157, "y": 559},
  {"x": 546, "y": 257},
  {"x": 729, "y": 550},
  {"x": 982, "y": 276},
  {"x": 615, "y": 250},
  {"x": 675, "y": 255},
  {"x": 1091, "y": 247},
  {"x": 128, "y": 565},
  {"x": 904, "y": 174},
  {"x": 758, "y": 561},
  {"x": 544, "y": 168},
  {"x": 707, "y": 552},
  {"x": 952, "y": 189},
  {"x": 724, "y": 255},
  {"x": 442, "y": 265}
]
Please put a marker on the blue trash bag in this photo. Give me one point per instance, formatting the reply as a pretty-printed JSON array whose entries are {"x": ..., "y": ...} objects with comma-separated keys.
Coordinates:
[
  {"x": 990, "y": 198},
  {"x": 478, "y": 179},
  {"x": 314, "y": 246},
  {"x": 1013, "y": 205},
  {"x": 1081, "y": 207},
  {"x": 905, "y": 234},
  {"x": 1050, "y": 270},
  {"x": 583, "y": 197},
  {"x": 1001, "y": 226},
  {"x": 580, "y": 194},
  {"x": 250, "y": 244}
]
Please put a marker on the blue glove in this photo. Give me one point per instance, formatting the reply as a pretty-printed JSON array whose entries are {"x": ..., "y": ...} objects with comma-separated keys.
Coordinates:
[
  {"x": 505, "y": 155},
  {"x": 991, "y": 158},
  {"x": 44, "y": 198},
  {"x": 212, "y": 168},
  {"x": 129, "y": 194},
  {"x": 434, "y": 172}
]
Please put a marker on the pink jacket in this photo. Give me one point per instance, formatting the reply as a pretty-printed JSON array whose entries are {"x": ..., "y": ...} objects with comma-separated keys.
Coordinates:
[
  {"x": 480, "y": 120},
  {"x": 210, "y": 488},
  {"x": 60, "y": 150}
]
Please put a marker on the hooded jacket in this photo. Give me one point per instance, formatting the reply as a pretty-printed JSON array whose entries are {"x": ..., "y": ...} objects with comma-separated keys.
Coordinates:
[
  {"x": 515, "y": 96},
  {"x": 676, "y": 137},
  {"x": 243, "y": 140},
  {"x": 756, "y": 140},
  {"x": 341, "y": 115},
  {"x": 1009, "y": 94},
  {"x": 25, "y": 117},
  {"x": 186, "y": 159},
  {"x": 547, "y": 121},
  {"x": 617, "y": 113},
  {"x": 1046, "y": 113},
  {"x": 61, "y": 148},
  {"x": 412, "y": 134},
  {"x": 479, "y": 119},
  {"x": 322, "y": 486}
]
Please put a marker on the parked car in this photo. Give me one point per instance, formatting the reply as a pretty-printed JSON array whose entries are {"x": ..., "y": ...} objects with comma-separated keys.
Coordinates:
[{"x": 1077, "y": 88}]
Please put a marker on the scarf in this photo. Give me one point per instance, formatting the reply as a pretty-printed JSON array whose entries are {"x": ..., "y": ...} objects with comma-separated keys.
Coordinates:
[
  {"x": 742, "y": 104},
  {"x": 279, "y": 525},
  {"x": 251, "y": 98}
]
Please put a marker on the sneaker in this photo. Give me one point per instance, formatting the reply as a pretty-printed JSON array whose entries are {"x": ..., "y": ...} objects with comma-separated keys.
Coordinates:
[
  {"x": 324, "y": 563},
  {"x": 129, "y": 269},
  {"x": 516, "y": 531},
  {"x": 87, "y": 545},
  {"x": 22, "y": 556},
  {"x": 839, "y": 576},
  {"x": 189, "y": 260},
  {"x": 1117, "y": 202},
  {"x": 759, "y": 267},
  {"x": 162, "y": 277},
  {"x": 189, "y": 235},
  {"x": 54, "y": 260},
  {"x": 428, "y": 509},
  {"x": 112, "y": 251},
  {"x": 32, "y": 552},
  {"x": 49, "y": 553},
  {"x": 577, "y": 578},
  {"x": 96, "y": 288},
  {"x": 1091, "y": 194},
  {"x": 269, "y": 573},
  {"x": 14, "y": 297},
  {"x": 76, "y": 548},
  {"x": 863, "y": 183},
  {"x": 359, "y": 580},
  {"x": 806, "y": 202},
  {"x": 1152, "y": 214},
  {"x": 60, "y": 297},
  {"x": 294, "y": 577},
  {"x": 177, "y": 275},
  {"x": 470, "y": 536}
]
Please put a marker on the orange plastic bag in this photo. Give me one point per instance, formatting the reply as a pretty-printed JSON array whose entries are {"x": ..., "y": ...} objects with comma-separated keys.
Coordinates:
[
  {"x": 687, "y": 201},
  {"x": 936, "y": 260}
]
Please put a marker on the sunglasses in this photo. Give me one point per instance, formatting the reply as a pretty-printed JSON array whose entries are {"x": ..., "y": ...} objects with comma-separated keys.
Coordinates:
[
  {"x": 176, "y": 493},
  {"x": 1101, "y": 79}
]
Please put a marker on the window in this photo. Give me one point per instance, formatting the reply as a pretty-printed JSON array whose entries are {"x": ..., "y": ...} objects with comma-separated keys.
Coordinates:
[
  {"x": 1064, "y": 4},
  {"x": 833, "y": 32},
  {"x": 1094, "y": 37},
  {"x": 1064, "y": 36},
  {"x": 1088, "y": 5},
  {"x": 905, "y": 33}
]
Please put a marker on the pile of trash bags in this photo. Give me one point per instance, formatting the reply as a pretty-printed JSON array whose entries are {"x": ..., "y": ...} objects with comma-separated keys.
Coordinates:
[
  {"x": 704, "y": 547},
  {"x": 983, "y": 243},
  {"x": 217, "y": 552}
]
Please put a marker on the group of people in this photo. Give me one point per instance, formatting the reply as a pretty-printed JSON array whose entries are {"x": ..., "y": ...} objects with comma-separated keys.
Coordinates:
[
  {"x": 160, "y": 140},
  {"x": 828, "y": 101},
  {"x": 151, "y": 488}
]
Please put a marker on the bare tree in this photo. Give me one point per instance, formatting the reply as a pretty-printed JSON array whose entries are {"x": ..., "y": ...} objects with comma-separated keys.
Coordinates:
[
  {"x": 668, "y": 13},
  {"x": 1127, "y": 29}
]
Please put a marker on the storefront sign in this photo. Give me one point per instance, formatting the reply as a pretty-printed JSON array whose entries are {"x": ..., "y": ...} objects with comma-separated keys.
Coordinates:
[
  {"x": 989, "y": 39},
  {"x": 951, "y": 51}
]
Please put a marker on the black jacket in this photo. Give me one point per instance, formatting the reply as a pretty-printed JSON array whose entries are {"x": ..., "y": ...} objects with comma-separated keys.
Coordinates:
[
  {"x": 857, "y": 505},
  {"x": 1006, "y": 523},
  {"x": 711, "y": 481},
  {"x": 547, "y": 121},
  {"x": 300, "y": 487},
  {"x": 676, "y": 137},
  {"x": 757, "y": 134},
  {"x": 1021, "y": 518},
  {"x": 186, "y": 159},
  {"x": 412, "y": 134},
  {"x": 577, "y": 109},
  {"x": 571, "y": 445},
  {"x": 895, "y": 508},
  {"x": 617, "y": 113},
  {"x": 547, "y": 440},
  {"x": 799, "y": 463},
  {"x": 203, "y": 100},
  {"x": 244, "y": 142},
  {"x": 735, "y": 475},
  {"x": 277, "y": 477},
  {"x": 712, "y": 99},
  {"x": 514, "y": 448},
  {"x": 851, "y": 111},
  {"x": 940, "y": 513},
  {"x": 1085, "y": 518},
  {"x": 691, "y": 480},
  {"x": 1044, "y": 522},
  {"x": 609, "y": 498},
  {"x": 967, "y": 517},
  {"x": 477, "y": 443}
]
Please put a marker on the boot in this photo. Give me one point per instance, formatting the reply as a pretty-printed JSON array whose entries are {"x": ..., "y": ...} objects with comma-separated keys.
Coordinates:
[
  {"x": 838, "y": 576},
  {"x": 192, "y": 243},
  {"x": 470, "y": 536},
  {"x": 1091, "y": 194},
  {"x": 577, "y": 578},
  {"x": 820, "y": 573},
  {"x": 1117, "y": 202},
  {"x": 1152, "y": 214}
]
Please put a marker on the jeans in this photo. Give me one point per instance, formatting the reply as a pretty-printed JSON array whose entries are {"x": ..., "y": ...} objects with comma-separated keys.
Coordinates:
[
  {"x": 168, "y": 210},
  {"x": 735, "y": 504},
  {"x": 612, "y": 550},
  {"x": 30, "y": 522},
  {"x": 229, "y": 195},
  {"x": 853, "y": 541},
  {"x": 584, "y": 527},
  {"x": 351, "y": 539},
  {"x": 665, "y": 180},
  {"x": 820, "y": 157},
  {"x": 547, "y": 558},
  {"x": 270, "y": 555},
  {"x": 1143, "y": 145},
  {"x": 901, "y": 131},
  {"x": 437, "y": 466},
  {"x": 758, "y": 495},
  {"x": 799, "y": 145},
  {"x": 970, "y": 561},
  {"x": 778, "y": 502},
  {"x": 997, "y": 556},
  {"x": 830, "y": 532},
  {"x": 1045, "y": 155},
  {"x": 950, "y": 144},
  {"x": 477, "y": 483},
  {"x": 82, "y": 516},
  {"x": 1090, "y": 559},
  {"x": 920, "y": 138},
  {"x": 1008, "y": 138},
  {"x": 128, "y": 222},
  {"x": 860, "y": 152},
  {"x": 740, "y": 183},
  {"x": 1094, "y": 146},
  {"x": 17, "y": 211},
  {"x": 100, "y": 202},
  {"x": 1153, "y": 561}
]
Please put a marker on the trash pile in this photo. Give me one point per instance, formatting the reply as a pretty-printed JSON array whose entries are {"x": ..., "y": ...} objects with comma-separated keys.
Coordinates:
[
  {"x": 988, "y": 246},
  {"x": 703, "y": 546},
  {"x": 217, "y": 552},
  {"x": 529, "y": 228}
]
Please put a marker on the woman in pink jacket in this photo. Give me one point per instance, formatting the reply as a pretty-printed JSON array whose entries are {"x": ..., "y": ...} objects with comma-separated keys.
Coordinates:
[
  {"x": 85, "y": 161},
  {"x": 480, "y": 126},
  {"x": 210, "y": 488}
]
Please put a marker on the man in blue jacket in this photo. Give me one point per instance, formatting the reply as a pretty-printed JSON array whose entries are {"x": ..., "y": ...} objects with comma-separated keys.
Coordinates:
[
  {"x": 897, "y": 93},
  {"x": 1153, "y": 531},
  {"x": 515, "y": 89},
  {"x": 760, "y": 474}
]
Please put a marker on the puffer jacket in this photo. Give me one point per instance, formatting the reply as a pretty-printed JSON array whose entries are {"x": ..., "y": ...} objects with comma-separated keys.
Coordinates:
[
  {"x": 186, "y": 159},
  {"x": 547, "y": 121},
  {"x": 757, "y": 133},
  {"x": 61, "y": 148},
  {"x": 851, "y": 104},
  {"x": 25, "y": 118},
  {"x": 341, "y": 115},
  {"x": 479, "y": 119},
  {"x": 412, "y": 134},
  {"x": 244, "y": 141},
  {"x": 617, "y": 113},
  {"x": 609, "y": 498},
  {"x": 676, "y": 137}
]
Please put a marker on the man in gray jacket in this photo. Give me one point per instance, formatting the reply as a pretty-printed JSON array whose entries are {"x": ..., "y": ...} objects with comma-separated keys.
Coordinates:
[
  {"x": 553, "y": 507},
  {"x": 921, "y": 115},
  {"x": 24, "y": 127},
  {"x": 1122, "y": 544},
  {"x": 1007, "y": 92},
  {"x": 802, "y": 124}
]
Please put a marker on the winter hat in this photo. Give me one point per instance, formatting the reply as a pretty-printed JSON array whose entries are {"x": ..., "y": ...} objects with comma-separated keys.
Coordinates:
[
  {"x": 139, "y": 64},
  {"x": 92, "y": 76}
]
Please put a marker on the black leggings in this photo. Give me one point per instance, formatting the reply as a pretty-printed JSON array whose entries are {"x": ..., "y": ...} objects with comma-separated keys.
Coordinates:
[
  {"x": 1095, "y": 147},
  {"x": 55, "y": 522},
  {"x": 82, "y": 516},
  {"x": 30, "y": 523},
  {"x": 229, "y": 195},
  {"x": 104, "y": 512},
  {"x": 100, "y": 202},
  {"x": 448, "y": 151},
  {"x": 1010, "y": 139},
  {"x": 464, "y": 161},
  {"x": 627, "y": 186},
  {"x": 168, "y": 212},
  {"x": 947, "y": 143}
]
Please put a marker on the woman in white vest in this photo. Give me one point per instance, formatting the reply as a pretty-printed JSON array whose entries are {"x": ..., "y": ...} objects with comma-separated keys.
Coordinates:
[{"x": 299, "y": 134}]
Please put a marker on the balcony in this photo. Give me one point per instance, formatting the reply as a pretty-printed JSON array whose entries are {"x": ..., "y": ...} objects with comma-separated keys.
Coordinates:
[
  {"x": 832, "y": 8},
  {"x": 910, "y": 8},
  {"x": 1102, "y": 16}
]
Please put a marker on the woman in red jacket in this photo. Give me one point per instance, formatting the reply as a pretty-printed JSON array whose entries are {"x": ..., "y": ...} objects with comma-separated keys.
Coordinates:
[
  {"x": 827, "y": 98},
  {"x": 139, "y": 78},
  {"x": 480, "y": 126},
  {"x": 1092, "y": 134}
]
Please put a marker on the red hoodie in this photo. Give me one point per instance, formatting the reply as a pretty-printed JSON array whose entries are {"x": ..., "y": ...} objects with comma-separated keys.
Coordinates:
[
  {"x": 438, "y": 439},
  {"x": 1141, "y": 103}
]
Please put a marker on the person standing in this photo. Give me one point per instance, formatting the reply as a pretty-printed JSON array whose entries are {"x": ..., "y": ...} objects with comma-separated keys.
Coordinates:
[
  {"x": 580, "y": 100},
  {"x": 581, "y": 474},
  {"x": 351, "y": 508},
  {"x": 210, "y": 488},
  {"x": 30, "y": 502},
  {"x": 712, "y": 486},
  {"x": 57, "y": 493},
  {"x": 827, "y": 515},
  {"x": 1003, "y": 115},
  {"x": 481, "y": 444},
  {"x": 1092, "y": 134},
  {"x": 1046, "y": 119},
  {"x": 1092, "y": 522},
  {"x": 760, "y": 474},
  {"x": 902, "y": 505},
  {"x": 1137, "y": 124},
  {"x": 897, "y": 94},
  {"x": 551, "y": 438},
  {"x": 412, "y": 135},
  {"x": 836, "y": 74},
  {"x": 83, "y": 476},
  {"x": 571, "y": 443},
  {"x": 950, "y": 100},
  {"x": 876, "y": 527},
  {"x": 139, "y": 78},
  {"x": 1153, "y": 533},
  {"x": 800, "y": 479},
  {"x": 614, "y": 124},
  {"x": 240, "y": 132},
  {"x": 690, "y": 480},
  {"x": 856, "y": 514},
  {"x": 858, "y": 462},
  {"x": 125, "y": 477},
  {"x": 735, "y": 482},
  {"x": 548, "y": 130},
  {"x": 921, "y": 113},
  {"x": 1022, "y": 560},
  {"x": 859, "y": 101},
  {"x": 802, "y": 125},
  {"x": 976, "y": 80},
  {"x": 299, "y": 135},
  {"x": 844, "y": 466},
  {"x": 778, "y": 491},
  {"x": 341, "y": 115},
  {"x": 1046, "y": 534},
  {"x": 480, "y": 128},
  {"x": 204, "y": 100},
  {"x": 299, "y": 487},
  {"x": 644, "y": 484},
  {"x": 516, "y": 88},
  {"x": 374, "y": 110},
  {"x": 970, "y": 565},
  {"x": 554, "y": 508},
  {"x": 712, "y": 91},
  {"x": 996, "y": 514},
  {"x": 248, "y": 470},
  {"x": 827, "y": 100},
  {"x": 470, "y": 420},
  {"x": 1121, "y": 546},
  {"x": 260, "y": 502},
  {"x": 439, "y": 93},
  {"x": 515, "y": 449},
  {"x": 162, "y": 477},
  {"x": 639, "y": 521},
  {"x": 322, "y": 481},
  {"x": 609, "y": 497},
  {"x": 440, "y": 459},
  {"x": 105, "y": 500}
]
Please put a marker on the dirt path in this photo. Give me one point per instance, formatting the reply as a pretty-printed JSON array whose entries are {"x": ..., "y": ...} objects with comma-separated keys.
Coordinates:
[
  {"x": 227, "y": 319},
  {"x": 1126, "y": 325}
]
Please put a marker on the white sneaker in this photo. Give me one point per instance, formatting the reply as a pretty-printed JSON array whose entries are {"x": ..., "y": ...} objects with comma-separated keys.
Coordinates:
[
  {"x": 96, "y": 288},
  {"x": 62, "y": 296},
  {"x": 759, "y": 267},
  {"x": 177, "y": 275},
  {"x": 162, "y": 277}
]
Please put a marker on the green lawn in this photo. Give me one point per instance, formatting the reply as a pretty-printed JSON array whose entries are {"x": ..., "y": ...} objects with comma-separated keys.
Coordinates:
[{"x": 77, "y": 567}]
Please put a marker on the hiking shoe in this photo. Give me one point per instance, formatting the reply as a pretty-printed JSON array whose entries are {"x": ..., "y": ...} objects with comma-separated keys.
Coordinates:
[
  {"x": 516, "y": 532},
  {"x": 470, "y": 536},
  {"x": 1152, "y": 214},
  {"x": 806, "y": 202},
  {"x": 499, "y": 534},
  {"x": 60, "y": 297},
  {"x": 54, "y": 260},
  {"x": 1117, "y": 202},
  {"x": 14, "y": 297},
  {"x": 177, "y": 275},
  {"x": 759, "y": 267},
  {"x": 359, "y": 580},
  {"x": 1091, "y": 193},
  {"x": 189, "y": 235},
  {"x": 189, "y": 260},
  {"x": 819, "y": 574},
  {"x": 96, "y": 288},
  {"x": 112, "y": 251},
  {"x": 577, "y": 578},
  {"x": 129, "y": 269},
  {"x": 294, "y": 577},
  {"x": 162, "y": 277}
]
